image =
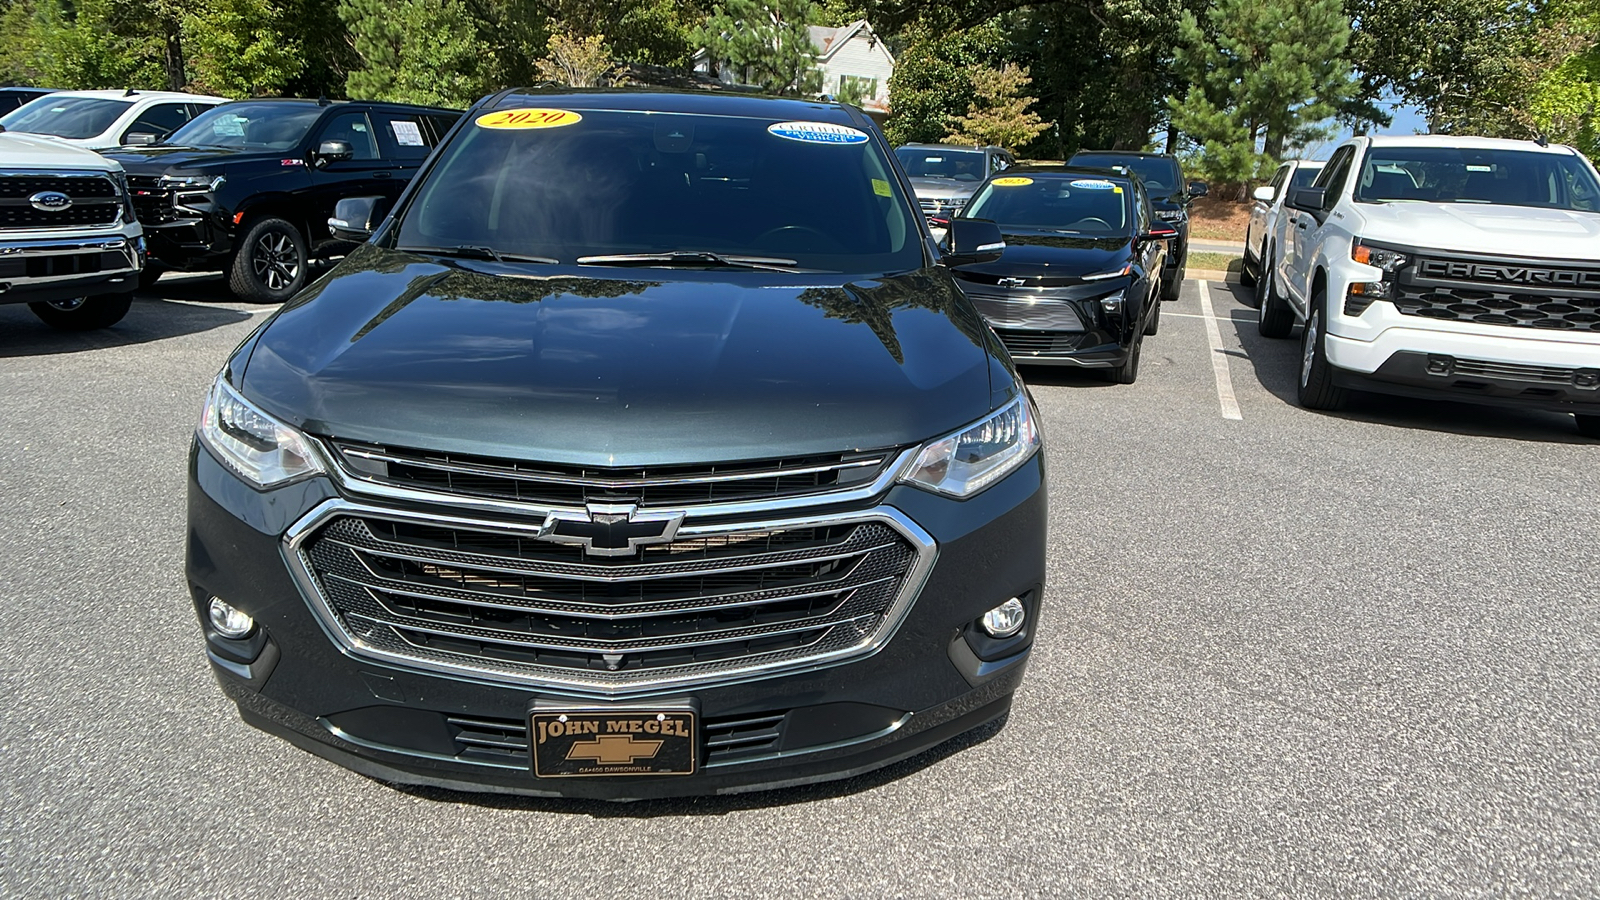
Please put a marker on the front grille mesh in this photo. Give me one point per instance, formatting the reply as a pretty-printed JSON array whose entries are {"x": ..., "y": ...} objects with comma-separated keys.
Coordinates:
[
  {"x": 501, "y": 602},
  {"x": 1472, "y": 292},
  {"x": 1023, "y": 344},
  {"x": 573, "y": 486},
  {"x": 1514, "y": 371},
  {"x": 152, "y": 202},
  {"x": 1022, "y": 312},
  {"x": 95, "y": 201}
]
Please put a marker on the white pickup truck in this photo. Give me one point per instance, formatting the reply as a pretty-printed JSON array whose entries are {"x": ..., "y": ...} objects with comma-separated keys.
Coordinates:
[
  {"x": 1444, "y": 267},
  {"x": 70, "y": 246}
]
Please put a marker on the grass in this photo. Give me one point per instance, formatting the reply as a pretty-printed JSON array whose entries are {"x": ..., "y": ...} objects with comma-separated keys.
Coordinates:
[{"x": 1215, "y": 262}]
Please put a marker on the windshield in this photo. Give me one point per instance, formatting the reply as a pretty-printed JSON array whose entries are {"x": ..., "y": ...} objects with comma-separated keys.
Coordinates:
[
  {"x": 937, "y": 162},
  {"x": 248, "y": 126},
  {"x": 68, "y": 117},
  {"x": 1079, "y": 205},
  {"x": 1453, "y": 175},
  {"x": 1160, "y": 174},
  {"x": 609, "y": 182}
]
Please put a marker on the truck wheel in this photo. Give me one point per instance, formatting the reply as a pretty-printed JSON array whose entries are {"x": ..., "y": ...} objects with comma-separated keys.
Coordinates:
[
  {"x": 1171, "y": 289},
  {"x": 1588, "y": 426},
  {"x": 1154, "y": 325},
  {"x": 1317, "y": 390},
  {"x": 269, "y": 264},
  {"x": 84, "y": 313},
  {"x": 1249, "y": 272},
  {"x": 1275, "y": 319},
  {"x": 1128, "y": 372}
]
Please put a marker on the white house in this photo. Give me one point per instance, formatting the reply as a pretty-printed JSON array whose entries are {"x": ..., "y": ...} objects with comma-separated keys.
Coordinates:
[{"x": 851, "y": 57}]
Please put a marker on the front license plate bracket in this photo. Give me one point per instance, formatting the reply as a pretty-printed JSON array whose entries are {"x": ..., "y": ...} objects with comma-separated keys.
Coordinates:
[{"x": 567, "y": 741}]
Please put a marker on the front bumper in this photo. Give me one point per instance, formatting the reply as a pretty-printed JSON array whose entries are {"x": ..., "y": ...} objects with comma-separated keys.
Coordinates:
[
  {"x": 190, "y": 243},
  {"x": 33, "y": 271},
  {"x": 928, "y": 683}
]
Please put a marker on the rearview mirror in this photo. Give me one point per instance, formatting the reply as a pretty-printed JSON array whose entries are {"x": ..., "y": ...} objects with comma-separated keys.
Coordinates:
[
  {"x": 1198, "y": 189},
  {"x": 140, "y": 139},
  {"x": 971, "y": 241},
  {"x": 333, "y": 151},
  {"x": 1308, "y": 199},
  {"x": 1265, "y": 193},
  {"x": 356, "y": 218}
]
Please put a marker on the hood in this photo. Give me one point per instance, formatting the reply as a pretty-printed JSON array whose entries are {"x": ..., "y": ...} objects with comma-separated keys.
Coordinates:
[
  {"x": 1482, "y": 228},
  {"x": 943, "y": 188},
  {"x": 160, "y": 159},
  {"x": 1054, "y": 256},
  {"x": 37, "y": 151},
  {"x": 620, "y": 366}
]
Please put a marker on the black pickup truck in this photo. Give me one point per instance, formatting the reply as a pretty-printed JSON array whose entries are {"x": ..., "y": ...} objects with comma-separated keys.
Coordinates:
[{"x": 248, "y": 187}]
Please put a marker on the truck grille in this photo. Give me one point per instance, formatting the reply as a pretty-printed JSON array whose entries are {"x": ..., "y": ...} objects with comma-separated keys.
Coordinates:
[
  {"x": 502, "y": 602},
  {"x": 95, "y": 201},
  {"x": 574, "y": 486},
  {"x": 1517, "y": 293},
  {"x": 152, "y": 203}
]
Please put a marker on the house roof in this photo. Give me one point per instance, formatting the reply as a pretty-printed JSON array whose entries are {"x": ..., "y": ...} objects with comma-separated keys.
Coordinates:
[{"x": 829, "y": 40}]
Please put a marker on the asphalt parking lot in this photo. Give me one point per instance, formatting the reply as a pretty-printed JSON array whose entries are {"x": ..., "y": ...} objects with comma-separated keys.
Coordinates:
[{"x": 1288, "y": 654}]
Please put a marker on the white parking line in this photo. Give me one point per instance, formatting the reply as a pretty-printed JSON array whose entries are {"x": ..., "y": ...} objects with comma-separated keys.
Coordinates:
[{"x": 1219, "y": 359}]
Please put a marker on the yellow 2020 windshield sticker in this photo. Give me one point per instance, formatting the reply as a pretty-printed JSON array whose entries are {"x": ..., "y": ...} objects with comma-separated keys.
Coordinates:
[
  {"x": 528, "y": 118},
  {"x": 1011, "y": 181}
]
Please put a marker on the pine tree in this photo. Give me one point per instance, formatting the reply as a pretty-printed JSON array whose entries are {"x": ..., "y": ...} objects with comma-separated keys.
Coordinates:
[
  {"x": 1263, "y": 74},
  {"x": 414, "y": 51},
  {"x": 240, "y": 48},
  {"x": 999, "y": 113},
  {"x": 766, "y": 42}
]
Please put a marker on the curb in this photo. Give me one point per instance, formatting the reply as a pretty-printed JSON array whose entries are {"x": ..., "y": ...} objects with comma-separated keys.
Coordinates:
[{"x": 1211, "y": 275}]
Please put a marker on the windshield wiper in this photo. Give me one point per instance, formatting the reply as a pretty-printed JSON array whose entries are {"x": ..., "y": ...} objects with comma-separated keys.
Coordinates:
[
  {"x": 478, "y": 251},
  {"x": 690, "y": 258}
]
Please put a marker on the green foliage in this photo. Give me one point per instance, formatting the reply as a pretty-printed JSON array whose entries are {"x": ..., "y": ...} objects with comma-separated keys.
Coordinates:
[
  {"x": 766, "y": 43},
  {"x": 999, "y": 113},
  {"x": 240, "y": 48},
  {"x": 932, "y": 80},
  {"x": 97, "y": 44},
  {"x": 414, "y": 51},
  {"x": 577, "y": 62},
  {"x": 1262, "y": 73},
  {"x": 653, "y": 32}
]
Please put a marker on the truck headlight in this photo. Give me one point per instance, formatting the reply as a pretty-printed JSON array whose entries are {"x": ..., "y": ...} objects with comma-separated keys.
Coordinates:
[
  {"x": 1388, "y": 260},
  {"x": 1171, "y": 215},
  {"x": 259, "y": 448},
  {"x": 965, "y": 462}
]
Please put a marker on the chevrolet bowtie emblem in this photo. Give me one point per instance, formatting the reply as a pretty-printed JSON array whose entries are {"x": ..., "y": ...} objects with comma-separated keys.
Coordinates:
[
  {"x": 1012, "y": 282},
  {"x": 614, "y": 749},
  {"x": 610, "y": 529}
]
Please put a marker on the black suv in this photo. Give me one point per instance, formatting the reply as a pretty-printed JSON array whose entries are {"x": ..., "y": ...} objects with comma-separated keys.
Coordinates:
[
  {"x": 248, "y": 187},
  {"x": 553, "y": 487},
  {"x": 1169, "y": 197}
]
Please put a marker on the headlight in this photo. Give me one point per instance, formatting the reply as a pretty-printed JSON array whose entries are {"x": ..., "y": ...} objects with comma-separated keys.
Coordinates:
[
  {"x": 966, "y": 462},
  {"x": 1171, "y": 215},
  {"x": 1127, "y": 269},
  {"x": 188, "y": 183},
  {"x": 1387, "y": 260},
  {"x": 256, "y": 446}
]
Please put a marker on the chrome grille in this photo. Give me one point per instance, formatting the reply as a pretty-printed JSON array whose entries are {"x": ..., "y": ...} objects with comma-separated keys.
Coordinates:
[
  {"x": 496, "y": 600},
  {"x": 1515, "y": 371},
  {"x": 1517, "y": 293},
  {"x": 1028, "y": 312},
  {"x": 573, "y": 486},
  {"x": 95, "y": 201}
]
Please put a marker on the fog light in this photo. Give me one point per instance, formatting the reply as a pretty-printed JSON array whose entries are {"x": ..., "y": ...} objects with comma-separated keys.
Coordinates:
[
  {"x": 1004, "y": 620},
  {"x": 227, "y": 621},
  {"x": 1112, "y": 303},
  {"x": 1588, "y": 379},
  {"x": 1441, "y": 365}
]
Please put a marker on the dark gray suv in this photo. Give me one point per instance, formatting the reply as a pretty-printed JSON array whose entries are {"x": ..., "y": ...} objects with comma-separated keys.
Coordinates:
[{"x": 944, "y": 176}]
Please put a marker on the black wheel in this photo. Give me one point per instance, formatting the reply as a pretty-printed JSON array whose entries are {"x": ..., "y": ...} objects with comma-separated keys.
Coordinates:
[
  {"x": 1588, "y": 426},
  {"x": 149, "y": 275},
  {"x": 269, "y": 263},
  {"x": 1317, "y": 390},
  {"x": 84, "y": 313},
  {"x": 1249, "y": 270},
  {"x": 1154, "y": 323},
  {"x": 1170, "y": 289},
  {"x": 1275, "y": 319},
  {"x": 1128, "y": 372}
]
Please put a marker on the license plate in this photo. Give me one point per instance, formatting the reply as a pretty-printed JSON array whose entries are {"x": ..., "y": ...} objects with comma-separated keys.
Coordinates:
[{"x": 587, "y": 743}]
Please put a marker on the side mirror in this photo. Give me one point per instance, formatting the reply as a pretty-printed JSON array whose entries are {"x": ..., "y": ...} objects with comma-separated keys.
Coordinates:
[
  {"x": 333, "y": 151},
  {"x": 971, "y": 241},
  {"x": 1308, "y": 199},
  {"x": 140, "y": 139},
  {"x": 1198, "y": 189},
  {"x": 1159, "y": 231},
  {"x": 1265, "y": 193},
  {"x": 356, "y": 218}
]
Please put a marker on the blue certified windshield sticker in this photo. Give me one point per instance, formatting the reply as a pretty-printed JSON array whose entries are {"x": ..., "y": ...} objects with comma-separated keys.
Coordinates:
[
  {"x": 817, "y": 133},
  {"x": 1094, "y": 185}
]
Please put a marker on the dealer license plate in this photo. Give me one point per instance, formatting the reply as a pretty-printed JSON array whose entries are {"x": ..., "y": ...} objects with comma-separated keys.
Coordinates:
[{"x": 581, "y": 743}]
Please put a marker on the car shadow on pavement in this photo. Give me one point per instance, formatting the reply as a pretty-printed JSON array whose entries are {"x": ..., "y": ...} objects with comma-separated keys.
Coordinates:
[
  {"x": 1277, "y": 368},
  {"x": 23, "y": 334},
  {"x": 717, "y": 805},
  {"x": 1064, "y": 376}
]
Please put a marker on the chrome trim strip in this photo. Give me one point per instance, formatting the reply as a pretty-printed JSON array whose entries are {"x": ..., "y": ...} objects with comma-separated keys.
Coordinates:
[
  {"x": 537, "y": 478},
  {"x": 572, "y": 683},
  {"x": 615, "y": 644},
  {"x": 357, "y": 484},
  {"x": 343, "y": 735},
  {"x": 894, "y": 726},
  {"x": 60, "y": 247}
]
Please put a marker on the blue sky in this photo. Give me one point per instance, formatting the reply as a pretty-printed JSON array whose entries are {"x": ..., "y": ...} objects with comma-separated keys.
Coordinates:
[{"x": 1407, "y": 120}]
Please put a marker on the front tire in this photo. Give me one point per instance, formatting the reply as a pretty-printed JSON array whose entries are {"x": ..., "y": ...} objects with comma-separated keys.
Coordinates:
[
  {"x": 1128, "y": 372},
  {"x": 84, "y": 313},
  {"x": 1249, "y": 272},
  {"x": 270, "y": 263},
  {"x": 1154, "y": 324},
  {"x": 149, "y": 275},
  {"x": 1317, "y": 390},
  {"x": 1275, "y": 319},
  {"x": 1171, "y": 289},
  {"x": 1588, "y": 426}
]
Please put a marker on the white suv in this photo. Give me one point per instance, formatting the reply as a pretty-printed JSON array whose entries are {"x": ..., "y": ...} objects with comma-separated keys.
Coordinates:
[
  {"x": 103, "y": 120},
  {"x": 1449, "y": 267}
]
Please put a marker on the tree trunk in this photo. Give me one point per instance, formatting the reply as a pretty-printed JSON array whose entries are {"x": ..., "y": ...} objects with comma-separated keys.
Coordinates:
[{"x": 177, "y": 79}]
